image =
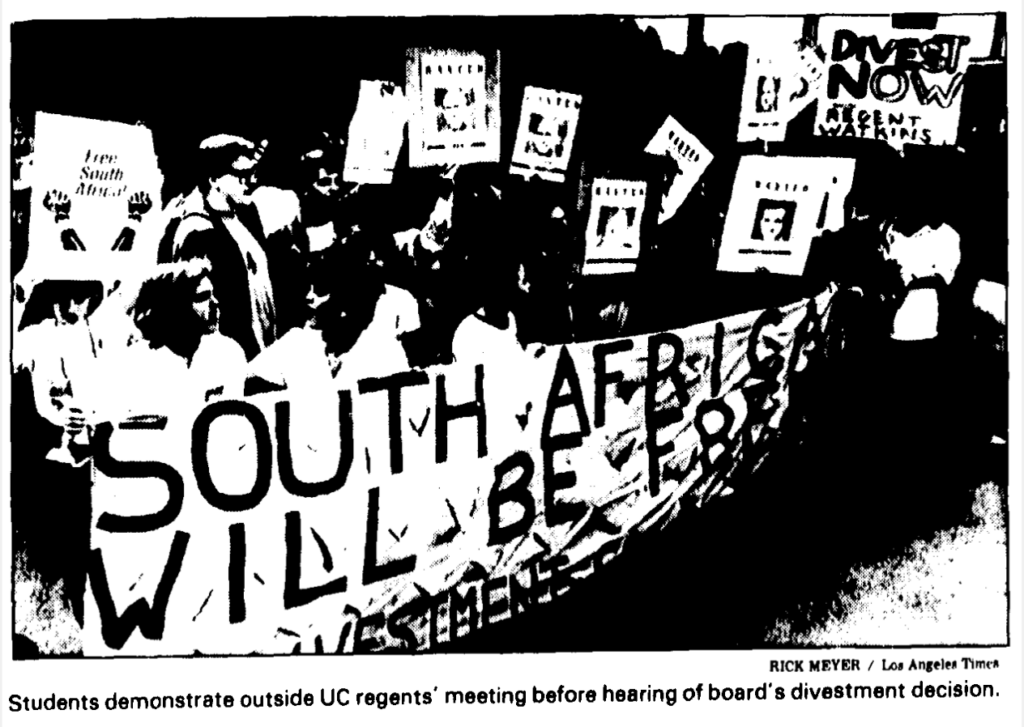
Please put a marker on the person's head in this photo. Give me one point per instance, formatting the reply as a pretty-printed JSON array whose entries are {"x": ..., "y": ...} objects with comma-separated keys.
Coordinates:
[
  {"x": 767, "y": 94},
  {"x": 343, "y": 288},
  {"x": 773, "y": 222},
  {"x": 228, "y": 164},
  {"x": 62, "y": 301},
  {"x": 321, "y": 163},
  {"x": 176, "y": 308},
  {"x": 921, "y": 246}
]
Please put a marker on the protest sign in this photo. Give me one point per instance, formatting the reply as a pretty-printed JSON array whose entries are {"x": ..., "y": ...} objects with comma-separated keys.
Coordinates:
[
  {"x": 434, "y": 503},
  {"x": 690, "y": 156},
  {"x": 375, "y": 133},
  {"x": 778, "y": 206},
  {"x": 780, "y": 81},
  {"x": 899, "y": 86},
  {"x": 547, "y": 127},
  {"x": 454, "y": 106},
  {"x": 613, "y": 228},
  {"x": 96, "y": 198}
]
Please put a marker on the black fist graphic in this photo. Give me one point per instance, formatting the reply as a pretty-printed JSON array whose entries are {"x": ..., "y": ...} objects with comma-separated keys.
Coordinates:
[
  {"x": 59, "y": 204},
  {"x": 138, "y": 205}
]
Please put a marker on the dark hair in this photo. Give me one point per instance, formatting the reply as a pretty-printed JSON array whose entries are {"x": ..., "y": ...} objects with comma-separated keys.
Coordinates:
[
  {"x": 61, "y": 293},
  {"x": 164, "y": 315}
]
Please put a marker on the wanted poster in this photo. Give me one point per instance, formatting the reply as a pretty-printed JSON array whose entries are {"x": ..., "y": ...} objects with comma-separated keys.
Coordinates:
[
  {"x": 778, "y": 206},
  {"x": 691, "y": 158},
  {"x": 781, "y": 80},
  {"x": 613, "y": 226},
  {"x": 375, "y": 134},
  {"x": 454, "y": 102},
  {"x": 547, "y": 128}
]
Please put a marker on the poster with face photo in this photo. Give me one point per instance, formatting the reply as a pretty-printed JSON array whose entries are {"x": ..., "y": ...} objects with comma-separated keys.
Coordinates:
[
  {"x": 454, "y": 105},
  {"x": 691, "y": 158},
  {"x": 613, "y": 228},
  {"x": 778, "y": 206},
  {"x": 96, "y": 189},
  {"x": 781, "y": 80},
  {"x": 375, "y": 133},
  {"x": 547, "y": 127}
]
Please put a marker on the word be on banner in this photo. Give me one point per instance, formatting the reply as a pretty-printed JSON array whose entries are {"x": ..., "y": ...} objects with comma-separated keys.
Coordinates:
[
  {"x": 547, "y": 128},
  {"x": 436, "y": 504},
  {"x": 454, "y": 105},
  {"x": 613, "y": 227},
  {"x": 778, "y": 206}
]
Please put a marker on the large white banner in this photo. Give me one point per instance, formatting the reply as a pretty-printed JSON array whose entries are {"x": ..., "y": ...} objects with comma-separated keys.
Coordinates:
[{"x": 409, "y": 511}]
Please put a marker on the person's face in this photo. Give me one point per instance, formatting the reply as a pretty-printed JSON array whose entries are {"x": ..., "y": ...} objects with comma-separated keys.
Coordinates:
[
  {"x": 323, "y": 175},
  {"x": 768, "y": 96},
  {"x": 772, "y": 223},
  {"x": 316, "y": 296},
  {"x": 929, "y": 251},
  {"x": 204, "y": 302},
  {"x": 234, "y": 187}
]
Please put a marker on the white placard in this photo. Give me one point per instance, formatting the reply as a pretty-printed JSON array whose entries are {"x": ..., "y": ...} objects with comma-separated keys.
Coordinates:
[
  {"x": 779, "y": 205},
  {"x": 375, "y": 133},
  {"x": 454, "y": 105},
  {"x": 690, "y": 156},
  {"x": 613, "y": 229},
  {"x": 547, "y": 128},
  {"x": 96, "y": 198}
]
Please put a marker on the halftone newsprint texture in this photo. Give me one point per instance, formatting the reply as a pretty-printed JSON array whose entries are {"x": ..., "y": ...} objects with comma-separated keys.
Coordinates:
[{"x": 585, "y": 333}]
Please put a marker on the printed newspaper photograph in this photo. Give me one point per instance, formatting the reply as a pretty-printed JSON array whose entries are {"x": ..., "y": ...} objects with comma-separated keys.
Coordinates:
[{"x": 508, "y": 334}]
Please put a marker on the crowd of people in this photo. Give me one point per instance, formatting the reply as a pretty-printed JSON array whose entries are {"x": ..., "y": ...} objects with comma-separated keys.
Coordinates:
[{"x": 273, "y": 273}]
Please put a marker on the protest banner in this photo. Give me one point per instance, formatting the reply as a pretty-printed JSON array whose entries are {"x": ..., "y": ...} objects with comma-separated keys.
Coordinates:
[
  {"x": 613, "y": 227},
  {"x": 547, "y": 127},
  {"x": 406, "y": 512},
  {"x": 778, "y": 206},
  {"x": 454, "y": 106},
  {"x": 375, "y": 133},
  {"x": 899, "y": 86},
  {"x": 96, "y": 198},
  {"x": 690, "y": 156},
  {"x": 781, "y": 80}
]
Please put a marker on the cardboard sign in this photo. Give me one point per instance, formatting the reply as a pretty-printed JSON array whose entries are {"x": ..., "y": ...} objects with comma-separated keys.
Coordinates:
[
  {"x": 454, "y": 102},
  {"x": 778, "y": 206},
  {"x": 780, "y": 81},
  {"x": 547, "y": 127},
  {"x": 411, "y": 535},
  {"x": 96, "y": 198},
  {"x": 892, "y": 85},
  {"x": 613, "y": 229},
  {"x": 690, "y": 156},
  {"x": 375, "y": 133}
]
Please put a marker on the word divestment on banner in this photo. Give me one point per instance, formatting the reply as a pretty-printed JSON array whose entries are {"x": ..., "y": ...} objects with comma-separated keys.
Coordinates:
[
  {"x": 778, "y": 206},
  {"x": 547, "y": 128},
  {"x": 613, "y": 228},
  {"x": 437, "y": 502},
  {"x": 893, "y": 85},
  {"x": 95, "y": 184},
  {"x": 690, "y": 156},
  {"x": 454, "y": 106},
  {"x": 375, "y": 133}
]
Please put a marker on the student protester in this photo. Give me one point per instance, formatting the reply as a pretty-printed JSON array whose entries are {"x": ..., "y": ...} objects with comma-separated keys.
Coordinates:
[
  {"x": 176, "y": 313},
  {"x": 52, "y": 396},
  {"x": 218, "y": 216}
]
